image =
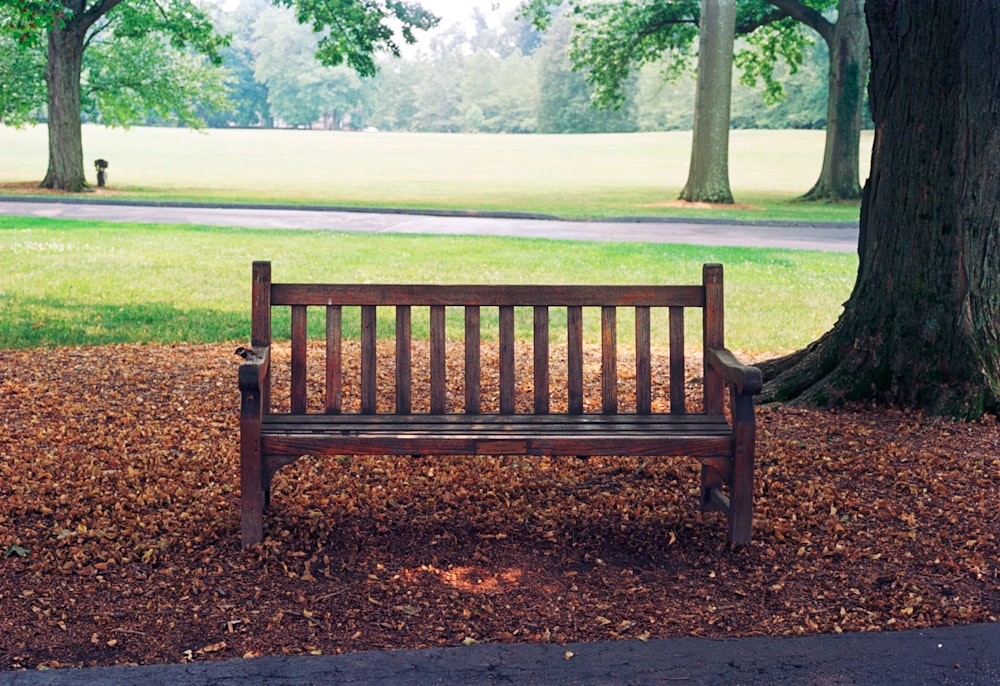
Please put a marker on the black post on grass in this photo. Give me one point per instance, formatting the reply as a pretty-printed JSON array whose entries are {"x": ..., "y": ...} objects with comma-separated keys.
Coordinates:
[{"x": 101, "y": 165}]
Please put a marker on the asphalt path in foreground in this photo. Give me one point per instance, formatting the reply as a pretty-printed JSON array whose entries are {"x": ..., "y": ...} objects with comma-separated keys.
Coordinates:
[{"x": 793, "y": 235}]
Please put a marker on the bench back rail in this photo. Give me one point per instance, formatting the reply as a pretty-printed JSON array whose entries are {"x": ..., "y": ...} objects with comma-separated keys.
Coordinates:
[{"x": 331, "y": 299}]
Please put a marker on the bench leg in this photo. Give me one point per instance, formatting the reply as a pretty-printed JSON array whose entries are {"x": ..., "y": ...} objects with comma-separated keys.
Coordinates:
[
  {"x": 251, "y": 506},
  {"x": 741, "y": 491},
  {"x": 252, "y": 495},
  {"x": 711, "y": 483}
]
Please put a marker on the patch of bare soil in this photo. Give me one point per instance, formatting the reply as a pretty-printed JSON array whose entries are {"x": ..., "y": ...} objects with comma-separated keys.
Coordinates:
[
  {"x": 119, "y": 530},
  {"x": 684, "y": 204}
]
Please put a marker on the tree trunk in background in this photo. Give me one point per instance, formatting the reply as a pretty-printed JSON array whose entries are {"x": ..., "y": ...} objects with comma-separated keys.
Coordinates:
[
  {"x": 922, "y": 327},
  {"x": 62, "y": 75},
  {"x": 849, "y": 62},
  {"x": 708, "y": 175}
]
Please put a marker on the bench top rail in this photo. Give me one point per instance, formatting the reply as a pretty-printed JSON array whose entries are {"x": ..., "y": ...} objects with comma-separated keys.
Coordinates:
[{"x": 486, "y": 296}]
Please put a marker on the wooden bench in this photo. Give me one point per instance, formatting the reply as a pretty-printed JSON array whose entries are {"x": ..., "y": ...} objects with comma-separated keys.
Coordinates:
[{"x": 271, "y": 438}]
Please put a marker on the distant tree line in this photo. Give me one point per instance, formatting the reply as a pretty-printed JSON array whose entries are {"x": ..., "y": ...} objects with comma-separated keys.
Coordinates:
[{"x": 508, "y": 78}]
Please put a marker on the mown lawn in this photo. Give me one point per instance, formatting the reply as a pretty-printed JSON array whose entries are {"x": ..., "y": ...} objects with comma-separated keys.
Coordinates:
[
  {"x": 93, "y": 283},
  {"x": 598, "y": 175}
]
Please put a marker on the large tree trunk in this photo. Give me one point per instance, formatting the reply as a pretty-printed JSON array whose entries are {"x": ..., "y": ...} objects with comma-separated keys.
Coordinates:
[
  {"x": 62, "y": 75},
  {"x": 922, "y": 327},
  {"x": 849, "y": 57},
  {"x": 708, "y": 175}
]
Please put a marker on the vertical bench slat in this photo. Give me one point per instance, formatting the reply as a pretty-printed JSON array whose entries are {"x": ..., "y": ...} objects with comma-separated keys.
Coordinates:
[
  {"x": 438, "y": 369},
  {"x": 541, "y": 359},
  {"x": 643, "y": 362},
  {"x": 369, "y": 377},
  {"x": 574, "y": 359},
  {"x": 299, "y": 342},
  {"x": 404, "y": 366},
  {"x": 714, "y": 336},
  {"x": 334, "y": 365},
  {"x": 609, "y": 360},
  {"x": 260, "y": 323},
  {"x": 507, "y": 359},
  {"x": 473, "y": 393},
  {"x": 677, "y": 360}
]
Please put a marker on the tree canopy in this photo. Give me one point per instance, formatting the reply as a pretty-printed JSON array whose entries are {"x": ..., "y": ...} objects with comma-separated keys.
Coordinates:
[
  {"x": 489, "y": 76},
  {"x": 134, "y": 57},
  {"x": 612, "y": 40}
]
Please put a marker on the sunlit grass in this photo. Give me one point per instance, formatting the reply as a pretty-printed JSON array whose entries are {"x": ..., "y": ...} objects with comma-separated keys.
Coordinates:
[{"x": 93, "y": 283}]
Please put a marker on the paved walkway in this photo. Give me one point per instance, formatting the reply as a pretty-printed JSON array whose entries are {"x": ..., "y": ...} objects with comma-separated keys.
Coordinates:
[
  {"x": 958, "y": 656},
  {"x": 826, "y": 237},
  {"x": 968, "y": 655}
]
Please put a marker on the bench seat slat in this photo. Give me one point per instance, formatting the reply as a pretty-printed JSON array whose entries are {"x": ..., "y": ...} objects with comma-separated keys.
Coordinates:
[
  {"x": 673, "y": 446},
  {"x": 498, "y": 434},
  {"x": 678, "y": 444},
  {"x": 608, "y": 422}
]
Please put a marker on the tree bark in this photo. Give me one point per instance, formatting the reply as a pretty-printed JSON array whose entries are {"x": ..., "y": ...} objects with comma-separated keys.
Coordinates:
[
  {"x": 922, "y": 326},
  {"x": 848, "y": 45},
  {"x": 62, "y": 76},
  {"x": 67, "y": 36},
  {"x": 708, "y": 175},
  {"x": 849, "y": 62}
]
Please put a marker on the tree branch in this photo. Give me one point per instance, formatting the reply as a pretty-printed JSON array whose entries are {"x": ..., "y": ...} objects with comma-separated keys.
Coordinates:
[
  {"x": 808, "y": 16},
  {"x": 746, "y": 25},
  {"x": 94, "y": 12}
]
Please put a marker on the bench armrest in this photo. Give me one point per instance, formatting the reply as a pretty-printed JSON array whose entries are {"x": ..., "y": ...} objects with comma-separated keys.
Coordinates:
[
  {"x": 746, "y": 380},
  {"x": 255, "y": 369}
]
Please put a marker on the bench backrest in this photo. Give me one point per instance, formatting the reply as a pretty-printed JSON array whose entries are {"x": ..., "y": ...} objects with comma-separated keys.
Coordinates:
[{"x": 331, "y": 299}]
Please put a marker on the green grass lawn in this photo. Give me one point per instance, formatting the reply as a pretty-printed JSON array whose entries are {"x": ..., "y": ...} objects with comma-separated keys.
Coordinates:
[
  {"x": 82, "y": 283},
  {"x": 598, "y": 175}
]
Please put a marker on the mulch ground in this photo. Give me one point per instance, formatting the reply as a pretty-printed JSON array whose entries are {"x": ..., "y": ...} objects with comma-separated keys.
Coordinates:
[{"x": 119, "y": 530}]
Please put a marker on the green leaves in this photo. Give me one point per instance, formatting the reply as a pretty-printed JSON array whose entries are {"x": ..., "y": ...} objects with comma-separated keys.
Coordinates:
[
  {"x": 352, "y": 31},
  {"x": 182, "y": 23},
  {"x": 299, "y": 90},
  {"x": 141, "y": 58},
  {"x": 132, "y": 78},
  {"x": 766, "y": 47},
  {"x": 26, "y": 20},
  {"x": 610, "y": 40}
]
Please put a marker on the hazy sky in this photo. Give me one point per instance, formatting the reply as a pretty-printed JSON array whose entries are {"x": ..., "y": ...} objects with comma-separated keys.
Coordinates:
[
  {"x": 450, "y": 11},
  {"x": 459, "y": 11}
]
